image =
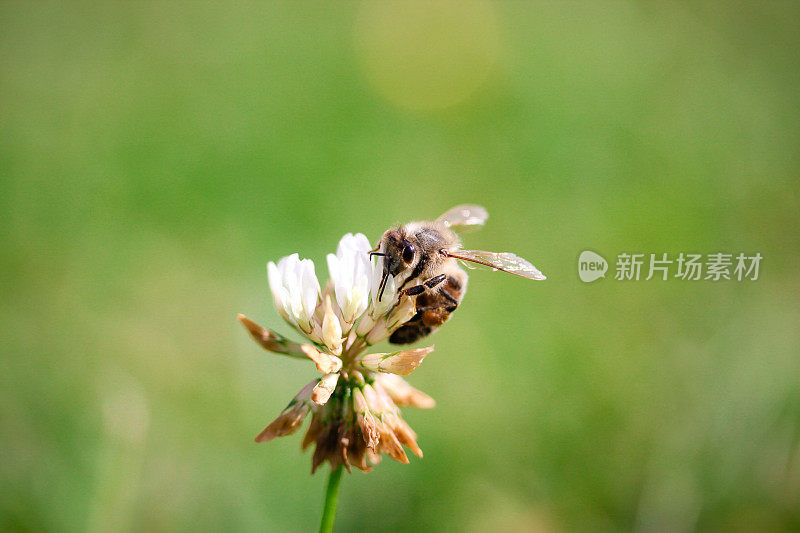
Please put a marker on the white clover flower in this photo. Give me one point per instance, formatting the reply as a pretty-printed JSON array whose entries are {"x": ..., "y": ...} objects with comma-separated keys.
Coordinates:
[
  {"x": 351, "y": 274},
  {"x": 353, "y": 405},
  {"x": 295, "y": 290},
  {"x": 350, "y": 298},
  {"x": 387, "y": 300}
]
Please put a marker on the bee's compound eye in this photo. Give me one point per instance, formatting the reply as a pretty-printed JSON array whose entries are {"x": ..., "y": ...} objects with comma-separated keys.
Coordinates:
[{"x": 408, "y": 253}]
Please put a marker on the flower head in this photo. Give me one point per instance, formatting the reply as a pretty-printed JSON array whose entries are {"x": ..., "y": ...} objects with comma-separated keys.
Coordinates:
[{"x": 354, "y": 404}]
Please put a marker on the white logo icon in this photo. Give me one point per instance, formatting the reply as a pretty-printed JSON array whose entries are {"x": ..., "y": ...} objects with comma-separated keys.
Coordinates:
[{"x": 591, "y": 266}]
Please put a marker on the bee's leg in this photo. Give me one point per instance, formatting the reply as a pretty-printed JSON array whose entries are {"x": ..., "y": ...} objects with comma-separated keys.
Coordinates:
[{"x": 431, "y": 283}]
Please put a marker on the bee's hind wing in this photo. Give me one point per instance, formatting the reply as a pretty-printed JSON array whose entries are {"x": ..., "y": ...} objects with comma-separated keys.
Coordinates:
[{"x": 463, "y": 216}]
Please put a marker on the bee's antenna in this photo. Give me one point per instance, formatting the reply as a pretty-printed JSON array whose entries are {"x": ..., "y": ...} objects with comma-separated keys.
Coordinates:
[
  {"x": 383, "y": 284},
  {"x": 376, "y": 253}
]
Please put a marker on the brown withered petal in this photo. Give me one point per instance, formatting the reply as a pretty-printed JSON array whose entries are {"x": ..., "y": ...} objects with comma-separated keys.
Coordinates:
[
  {"x": 326, "y": 363},
  {"x": 356, "y": 452},
  {"x": 402, "y": 362},
  {"x": 269, "y": 340},
  {"x": 404, "y": 394},
  {"x": 291, "y": 418},
  {"x": 390, "y": 445},
  {"x": 369, "y": 429},
  {"x": 323, "y": 390},
  {"x": 391, "y": 417},
  {"x": 366, "y": 421},
  {"x": 374, "y": 456},
  {"x": 327, "y": 448},
  {"x": 287, "y": 423},
  {"x": 314, "y": 429},
  {"x": 407, "y": 437}
]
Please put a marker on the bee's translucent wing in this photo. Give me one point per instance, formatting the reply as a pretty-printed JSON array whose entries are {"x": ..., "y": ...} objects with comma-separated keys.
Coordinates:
[
  {"x": 505, "y": 261},
  {"x": 464, "y": 215}
]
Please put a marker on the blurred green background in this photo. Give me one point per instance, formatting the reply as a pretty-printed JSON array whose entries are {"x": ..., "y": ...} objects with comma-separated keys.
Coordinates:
[{"x": 155, "y": 155}]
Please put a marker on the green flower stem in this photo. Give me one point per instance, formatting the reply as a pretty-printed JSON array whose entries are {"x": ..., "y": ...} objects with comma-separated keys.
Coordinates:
[{"x": 331, "y": 496}]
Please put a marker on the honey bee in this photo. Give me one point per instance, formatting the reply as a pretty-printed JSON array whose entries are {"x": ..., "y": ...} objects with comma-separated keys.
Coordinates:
[{"x": 422, "y": 257}]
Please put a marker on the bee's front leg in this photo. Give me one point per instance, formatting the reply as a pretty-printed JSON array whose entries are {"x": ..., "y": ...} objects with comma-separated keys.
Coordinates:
[{"x": 419, "y": 289}]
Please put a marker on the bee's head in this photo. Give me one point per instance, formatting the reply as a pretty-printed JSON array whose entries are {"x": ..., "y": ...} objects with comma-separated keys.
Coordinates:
[{"x": 400, "y": 254}]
